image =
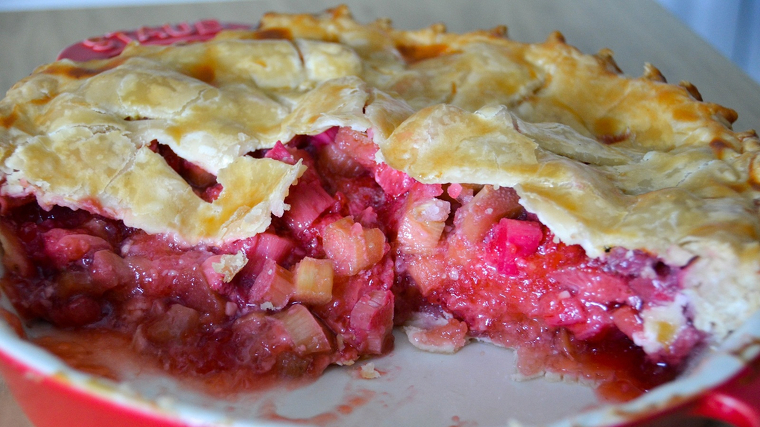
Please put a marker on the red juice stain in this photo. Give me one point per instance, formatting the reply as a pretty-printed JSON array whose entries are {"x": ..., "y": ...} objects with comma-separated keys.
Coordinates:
[{"x": 351, "y": 401}]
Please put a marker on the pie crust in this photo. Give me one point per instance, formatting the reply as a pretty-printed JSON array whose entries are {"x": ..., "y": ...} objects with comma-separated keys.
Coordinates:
[{"x": 601, "y": 159}]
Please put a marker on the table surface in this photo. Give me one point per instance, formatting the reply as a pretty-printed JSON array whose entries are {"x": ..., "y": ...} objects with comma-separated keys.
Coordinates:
[{"x": 638, "y": 32}]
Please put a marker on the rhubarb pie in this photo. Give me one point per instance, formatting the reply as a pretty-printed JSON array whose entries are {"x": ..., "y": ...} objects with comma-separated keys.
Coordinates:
[{"x": 276, "y": 200}]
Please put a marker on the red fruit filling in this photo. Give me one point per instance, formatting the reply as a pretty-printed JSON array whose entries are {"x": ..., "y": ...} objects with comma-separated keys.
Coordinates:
[{"x": 362, "y": 248}]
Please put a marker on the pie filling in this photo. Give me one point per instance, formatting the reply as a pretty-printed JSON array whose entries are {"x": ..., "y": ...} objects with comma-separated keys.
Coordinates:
[{"x": 363, "y": 248}]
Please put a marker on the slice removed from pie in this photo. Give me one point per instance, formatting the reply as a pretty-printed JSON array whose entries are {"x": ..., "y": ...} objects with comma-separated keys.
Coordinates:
[{"x": 275, "y": 206}]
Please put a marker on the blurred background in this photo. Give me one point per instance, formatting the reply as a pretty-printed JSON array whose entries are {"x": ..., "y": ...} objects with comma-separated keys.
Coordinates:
[{"x": 731, "y": 26}]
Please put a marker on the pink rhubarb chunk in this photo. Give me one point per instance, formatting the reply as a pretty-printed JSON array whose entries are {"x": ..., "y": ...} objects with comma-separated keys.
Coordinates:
[
  {"x": 372, "y": 321},
  {"x": 515, "y": 239},
  {"x": 273, "y": 287},
  {"x": 305, "y": 331},
  {"x": 351, "y": 247}
]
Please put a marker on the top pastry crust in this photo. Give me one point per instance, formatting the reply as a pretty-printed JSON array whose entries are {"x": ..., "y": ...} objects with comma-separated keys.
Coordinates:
[{"x": 602, "y": 159}]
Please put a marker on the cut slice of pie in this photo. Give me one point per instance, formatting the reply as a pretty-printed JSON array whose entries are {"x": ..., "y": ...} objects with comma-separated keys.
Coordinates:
[{"x": 274, "y": 201}]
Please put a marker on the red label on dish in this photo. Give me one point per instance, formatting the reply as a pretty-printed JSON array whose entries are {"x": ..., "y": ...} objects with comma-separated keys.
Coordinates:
[{"x": 112, "y": 44}]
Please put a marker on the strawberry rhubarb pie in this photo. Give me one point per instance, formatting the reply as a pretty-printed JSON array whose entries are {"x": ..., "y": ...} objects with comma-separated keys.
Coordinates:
[{"x": 277, "y": 200}]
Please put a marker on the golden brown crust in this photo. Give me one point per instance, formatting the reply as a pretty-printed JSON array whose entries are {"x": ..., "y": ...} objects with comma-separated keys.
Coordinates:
[{"x": 604, "y": 160}]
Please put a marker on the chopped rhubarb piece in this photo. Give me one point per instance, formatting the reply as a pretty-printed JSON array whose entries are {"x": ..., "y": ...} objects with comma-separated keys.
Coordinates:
[
  {"x": 358, "y": 144},
  {"x": 260, "y": 248},
  {"x": 307, "y": 201},
  {"x": 561, "y": 309},
  {"x": 178, "y": 275},
  {"x": 256, "y": 324},
  {"x": 258, "y": 340},
  {"x": 420, "y": 191},
  {"x": 525, "y": 236},
  {"x": 109, "y": 270},
  {"x": 305, "y": 331},
  {"x": 272, "y": 246},
  {"x": 106, "y": 230},
  {"x": 584, "y": 304},
  {"x": 346, "y": 293},
  {"x": 392, "y": 181},
  {"x": 598, "y": 320},
  {"x": 372, "y": 321},
  {"x": 339, "y": 162},
  {"x": 626, "y": 319},
  {"x": 351, "y": 154},
  {"x": 148, "y": 246},
  {"x": 324, "y": 138},
  {"x": 428, "y": 272},
  {"x": 422, "y": 225},
  {"x": 367, "y": 217},
  {"x": 73, "y": 282},
  {"x": 351, "y": 247},
  {"x": 174, "y": 325},
  {"x": 627, "y": 262},
  {"x": 513, "y": 239},
  {"x": 475, "y": 218},
  {"x": 64, "y": 247},
  {"x": 593, "y": 286},
  {"x": 313, "y": 281},
  {"x": 454, "y": 190},
  {"x": 279, "y": 152},
  {"x": 273, "y": 287},
  {"x": 656, "y": 288},
  {"x": 462, "y": 193}
]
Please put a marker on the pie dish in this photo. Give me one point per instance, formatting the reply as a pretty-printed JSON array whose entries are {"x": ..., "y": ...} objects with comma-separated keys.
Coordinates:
[{"x": 274, "y": 200}]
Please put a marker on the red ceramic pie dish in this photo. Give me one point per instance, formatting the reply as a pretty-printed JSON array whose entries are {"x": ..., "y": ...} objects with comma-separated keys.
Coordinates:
[{"x": 409, "y": 388}]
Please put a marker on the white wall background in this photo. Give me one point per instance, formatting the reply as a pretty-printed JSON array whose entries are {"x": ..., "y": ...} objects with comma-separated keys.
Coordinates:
[{"x": 731, "y": 26}]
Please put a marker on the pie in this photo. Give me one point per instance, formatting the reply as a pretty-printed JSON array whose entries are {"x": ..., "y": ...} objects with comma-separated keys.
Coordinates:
[{"x": 276, "y": 200}]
